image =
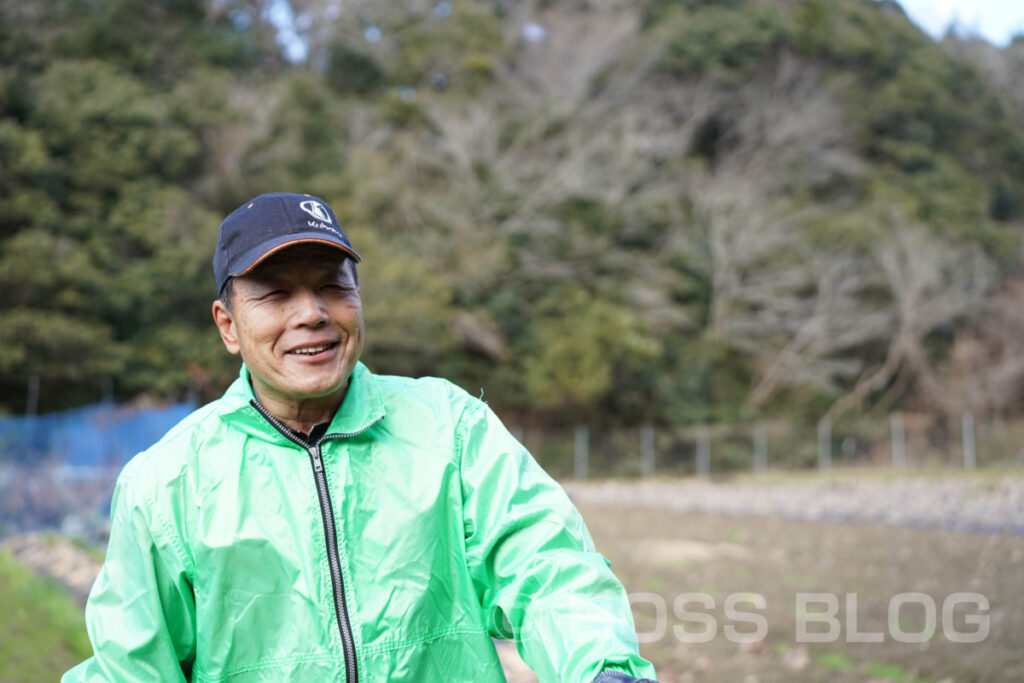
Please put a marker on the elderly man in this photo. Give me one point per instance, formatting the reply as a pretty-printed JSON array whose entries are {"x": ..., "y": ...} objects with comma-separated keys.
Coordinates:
[{"x": 322, "y": 523}]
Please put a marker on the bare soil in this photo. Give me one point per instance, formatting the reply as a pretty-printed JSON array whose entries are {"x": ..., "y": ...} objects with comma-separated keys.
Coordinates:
[
  {"x": 666, "y": 554},
  {"x": 661, "y": 554}
]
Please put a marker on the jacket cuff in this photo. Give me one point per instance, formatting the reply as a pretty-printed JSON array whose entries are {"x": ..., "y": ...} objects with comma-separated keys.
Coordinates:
[{"x": 619, "y": 677}]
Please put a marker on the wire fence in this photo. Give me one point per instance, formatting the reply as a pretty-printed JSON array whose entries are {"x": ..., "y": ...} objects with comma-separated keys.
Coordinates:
[
  {"x": 90, "y": 436},
  {"x": 898, "y": 441},
  {"x": 57, "y": 471}
]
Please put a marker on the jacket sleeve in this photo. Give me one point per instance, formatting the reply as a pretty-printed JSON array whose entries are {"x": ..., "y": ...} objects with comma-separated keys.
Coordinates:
[
  {"x": 535, "y": 570},
  {"x": 141, "y": 610}
]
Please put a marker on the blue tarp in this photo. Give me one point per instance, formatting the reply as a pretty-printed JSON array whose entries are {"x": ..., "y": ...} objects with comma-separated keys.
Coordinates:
[{"x": 94, "y": 435}]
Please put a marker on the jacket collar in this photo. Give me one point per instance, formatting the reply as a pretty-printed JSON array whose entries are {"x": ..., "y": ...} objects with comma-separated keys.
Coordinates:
[{"x": 362, "y": 406}]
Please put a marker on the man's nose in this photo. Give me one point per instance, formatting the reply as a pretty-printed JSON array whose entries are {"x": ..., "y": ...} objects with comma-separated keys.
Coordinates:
[{"x": 310, "y": 307}]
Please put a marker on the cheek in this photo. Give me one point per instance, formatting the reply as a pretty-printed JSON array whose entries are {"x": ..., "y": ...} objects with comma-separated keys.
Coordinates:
[
  {"x": 357, "y": 325},
  {"x": 256, "y": 333}
]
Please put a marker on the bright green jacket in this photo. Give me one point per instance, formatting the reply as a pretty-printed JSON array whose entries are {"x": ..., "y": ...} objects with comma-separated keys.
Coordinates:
[{"x": 416, "y": 530}]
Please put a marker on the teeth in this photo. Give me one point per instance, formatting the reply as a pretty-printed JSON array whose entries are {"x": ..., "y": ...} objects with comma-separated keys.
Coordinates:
[{"x": 312, "y": 350}]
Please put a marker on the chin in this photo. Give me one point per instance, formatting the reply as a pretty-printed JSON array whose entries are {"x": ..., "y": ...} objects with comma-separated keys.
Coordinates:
[{"x": 320, "y": 389}]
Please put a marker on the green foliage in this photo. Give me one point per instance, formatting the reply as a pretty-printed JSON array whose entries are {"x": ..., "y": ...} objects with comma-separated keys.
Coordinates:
[
  {"x": 726, "y": 44},
  {"x": 56, "y": 345},
  {"x": 813, "y": 22},
  {"x": 872, "y": 41},
  {"x": 1004, "y": 204},
  {"x": 578, "y": 342},
  {"x": 103, "y": 246},
  {"x": 660, "y": 11},
  {"x": 400, "y": 109},
  {"x": 303, "y": 136},
  {"x": 351, "y": 71},
  {"x": 460, "y": 46},
  {"x": 836, "y": 661},
  {"x": 163, "y": 39},
  {"x": 105, "y": 129},
  {"x": 42, "y": 633},
  {"x": 924, "y": 104},
  {"x": 889, "y": 671},
  {"x": 406, "y": 308},
  {"x": 645, "y": 242}
]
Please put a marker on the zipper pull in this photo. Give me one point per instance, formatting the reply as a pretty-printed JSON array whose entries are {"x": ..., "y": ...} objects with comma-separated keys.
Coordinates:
[{"x": 318, "y": 464}]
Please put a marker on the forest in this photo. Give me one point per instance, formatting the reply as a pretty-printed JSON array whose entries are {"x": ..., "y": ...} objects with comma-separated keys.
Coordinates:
[{"x": 619, "y": 211}]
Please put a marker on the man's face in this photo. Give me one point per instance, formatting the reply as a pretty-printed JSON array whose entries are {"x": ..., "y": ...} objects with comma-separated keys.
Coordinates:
[{"x": 297, "y": 321}]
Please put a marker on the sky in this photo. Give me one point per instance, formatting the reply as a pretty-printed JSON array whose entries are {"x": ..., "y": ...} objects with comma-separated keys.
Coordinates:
[{"x": 995, "y": 20}]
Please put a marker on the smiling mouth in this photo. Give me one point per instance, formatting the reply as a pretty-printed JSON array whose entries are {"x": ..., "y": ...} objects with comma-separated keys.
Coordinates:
[{"x": 313, "y": 350}]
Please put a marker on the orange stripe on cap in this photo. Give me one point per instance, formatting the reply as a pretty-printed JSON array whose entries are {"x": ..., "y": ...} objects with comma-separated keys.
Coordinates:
[{"x": 307, "y": 240}]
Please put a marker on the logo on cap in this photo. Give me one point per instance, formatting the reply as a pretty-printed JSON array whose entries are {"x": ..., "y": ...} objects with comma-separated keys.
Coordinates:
[{"x": 316, "y": 210}]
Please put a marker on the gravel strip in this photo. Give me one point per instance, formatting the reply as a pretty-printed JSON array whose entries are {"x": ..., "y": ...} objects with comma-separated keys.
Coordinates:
[
  {"x": 56, "y": 557},
  {"x": 993, "y": 506}
]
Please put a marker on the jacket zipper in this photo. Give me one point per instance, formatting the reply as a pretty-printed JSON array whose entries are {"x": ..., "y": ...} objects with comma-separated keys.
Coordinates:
[{"x": 330, "y": 535}]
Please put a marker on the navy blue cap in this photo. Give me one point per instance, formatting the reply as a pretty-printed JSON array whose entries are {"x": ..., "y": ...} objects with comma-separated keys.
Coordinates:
[{"x": 271, "y": 222}]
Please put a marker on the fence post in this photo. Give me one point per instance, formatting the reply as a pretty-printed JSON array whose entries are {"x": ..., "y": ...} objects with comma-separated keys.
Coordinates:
[
  {"x": 32, "y": 400},
  {"x": 824, "y": 444},
  {"x": 703, "y": 451},
  {"x": 646, "y": 451},
  {"x": 967, "y": 433},
  {"x": 760, "y": 448},
  {"x": 899, "y": 441},
  {"x": 580, "y": 453}
]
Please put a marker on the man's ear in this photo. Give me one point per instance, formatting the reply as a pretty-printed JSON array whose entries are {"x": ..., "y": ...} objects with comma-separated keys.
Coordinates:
[{"x": 226, "y": 326}]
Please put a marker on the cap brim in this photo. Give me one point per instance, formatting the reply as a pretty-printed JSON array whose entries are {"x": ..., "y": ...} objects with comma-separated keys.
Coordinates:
[{"x": 257, "y": 256}]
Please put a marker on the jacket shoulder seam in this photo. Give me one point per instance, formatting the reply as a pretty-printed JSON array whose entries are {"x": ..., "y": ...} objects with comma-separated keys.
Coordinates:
[
  {"x": 129, "y": 486},
  {"x": 472, "y": 405},
  {"x": 171, "y": 537}
]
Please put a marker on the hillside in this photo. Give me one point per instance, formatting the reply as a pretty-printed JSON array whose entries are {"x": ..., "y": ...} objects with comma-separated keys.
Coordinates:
[{"x": 670, "y": 210}]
